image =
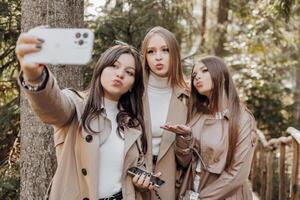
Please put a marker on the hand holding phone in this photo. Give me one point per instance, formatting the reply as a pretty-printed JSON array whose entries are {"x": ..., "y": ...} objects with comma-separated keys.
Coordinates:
[
  {"x": 156, "y": 181},
  {"x": 71, "y": 46}
]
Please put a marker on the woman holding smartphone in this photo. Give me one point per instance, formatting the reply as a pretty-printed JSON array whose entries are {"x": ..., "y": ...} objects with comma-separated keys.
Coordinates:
[
  {"x": 218, "y": 143},
  {"x": 164, "y": 102},
  {"x": 99, "y": 133}
]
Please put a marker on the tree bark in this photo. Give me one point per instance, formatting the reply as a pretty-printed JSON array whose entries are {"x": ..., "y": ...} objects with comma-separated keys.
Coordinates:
[
  {"x": 203, "y": 23},
  {"x": 37, "y": 158},
  {"x": 297, "y": 95},
  {"x": 222, "y": 26}
]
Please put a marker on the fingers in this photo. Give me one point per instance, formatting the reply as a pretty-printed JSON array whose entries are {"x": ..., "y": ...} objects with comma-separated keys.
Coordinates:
[
  {"x": 27, "y": 44},
  {"x": 179, "y": 129},
  {"x": 23, "y": 49},
  {"x": 143, "y": 181},
  {"x": 184, "y": 129},
  {"x": 26, "y": 38},
  {"x": 152, "y": 186}
]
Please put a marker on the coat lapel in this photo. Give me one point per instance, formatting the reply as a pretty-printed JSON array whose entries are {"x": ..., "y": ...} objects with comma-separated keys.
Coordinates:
[
  {"x": 148, "y": 129},
  {"x": 176, "y": 115},
  {"x": 131, "y": 135}
]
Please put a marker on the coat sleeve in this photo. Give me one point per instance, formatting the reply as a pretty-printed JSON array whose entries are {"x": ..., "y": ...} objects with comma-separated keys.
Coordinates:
[
  {"x": 183, "y": 151},
  {"x": 236, "y": 175},
  {"x": 51, "y": 104}
]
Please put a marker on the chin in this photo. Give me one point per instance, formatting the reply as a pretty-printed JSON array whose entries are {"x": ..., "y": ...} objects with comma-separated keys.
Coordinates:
[{"x": 162, "y": 74}]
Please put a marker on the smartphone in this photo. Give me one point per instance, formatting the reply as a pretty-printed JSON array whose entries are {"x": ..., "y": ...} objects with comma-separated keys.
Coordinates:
[
  {"x": 70, "y": 46},
  {"x": 153, "y": 179}
]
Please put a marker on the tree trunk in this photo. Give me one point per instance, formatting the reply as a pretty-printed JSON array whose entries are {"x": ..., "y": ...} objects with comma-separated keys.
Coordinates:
[
  {"x": 297, "y": 95},
  {"x": 203, "y": 23},
  {"x": 222, "y": 26},
  {"x": 38, "y": 161}
]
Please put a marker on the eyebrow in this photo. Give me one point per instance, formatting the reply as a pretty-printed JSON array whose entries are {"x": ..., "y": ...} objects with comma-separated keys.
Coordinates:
[
  {"x": 164, "y": 46},
  {"x": 199, "y": 67},
  {"x": 126, "y": 66}
]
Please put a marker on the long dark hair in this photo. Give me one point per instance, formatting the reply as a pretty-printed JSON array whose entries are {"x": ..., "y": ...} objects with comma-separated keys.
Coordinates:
[
  {"x": 130, "y": 103},
  {"x": 221, "y": 82},
  {"x": 175, "y": 73}
]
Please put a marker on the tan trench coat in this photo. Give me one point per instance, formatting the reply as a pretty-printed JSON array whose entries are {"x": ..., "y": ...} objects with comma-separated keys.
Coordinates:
[
  {"x": 166, "y": 161},
  {"x": 218, "y": 183},
  {"x": 76, "y": 176}
]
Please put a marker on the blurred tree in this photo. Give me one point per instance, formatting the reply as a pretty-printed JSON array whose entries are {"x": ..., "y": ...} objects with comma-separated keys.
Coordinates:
[
  {"x": 129, "y": 20},
  {"x": 260, "y": 50},
  {"x": 10, "y": 15},
  {"x": 37, "y": 149}
]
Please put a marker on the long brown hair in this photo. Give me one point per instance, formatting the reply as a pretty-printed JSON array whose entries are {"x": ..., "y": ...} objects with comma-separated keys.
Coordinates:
[
  {"x": 222, "y": 85},
  {"x": 130, "y": 103},
  {"x": 175, "y": 73}
]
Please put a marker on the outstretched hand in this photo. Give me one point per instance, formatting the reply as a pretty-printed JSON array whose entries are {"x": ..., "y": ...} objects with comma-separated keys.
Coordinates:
[
  {"x": 27, "y": 44},
  {"x": 178, "y": 129}
]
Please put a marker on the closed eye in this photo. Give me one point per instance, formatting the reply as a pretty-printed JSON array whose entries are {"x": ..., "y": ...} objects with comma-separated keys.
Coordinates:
[{"x": 130, "y": 73}]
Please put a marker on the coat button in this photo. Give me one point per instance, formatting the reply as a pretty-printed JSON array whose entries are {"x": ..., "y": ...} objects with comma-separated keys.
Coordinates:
[
  {"x": 85, "y": 198},
  {"x": 84, "y": 172},
  {"x": 89, "y": 138}
]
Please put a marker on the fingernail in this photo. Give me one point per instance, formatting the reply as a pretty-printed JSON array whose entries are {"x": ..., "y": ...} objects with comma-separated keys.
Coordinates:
[
  {"x": 38, "y": 46},
  {"x": 41, "y": 40}
]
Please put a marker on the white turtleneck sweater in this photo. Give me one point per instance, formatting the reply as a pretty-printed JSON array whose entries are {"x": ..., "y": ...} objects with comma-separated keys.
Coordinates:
[
  {"x": 111, "y": 154},
  {"x": 159, "y": 94}
]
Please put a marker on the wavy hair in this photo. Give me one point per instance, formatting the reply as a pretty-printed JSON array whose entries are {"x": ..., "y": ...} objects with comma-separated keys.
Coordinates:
[
  {"x": 129, "y": 104},
  {"x": 222, "y": 86}
]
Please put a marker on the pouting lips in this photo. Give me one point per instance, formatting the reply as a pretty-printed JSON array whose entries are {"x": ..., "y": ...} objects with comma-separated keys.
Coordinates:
[{"x": 117, "y": 82}]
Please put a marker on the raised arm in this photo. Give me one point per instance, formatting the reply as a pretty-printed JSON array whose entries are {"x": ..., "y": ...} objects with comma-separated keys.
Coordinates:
[{"x": 50, "y": 104}]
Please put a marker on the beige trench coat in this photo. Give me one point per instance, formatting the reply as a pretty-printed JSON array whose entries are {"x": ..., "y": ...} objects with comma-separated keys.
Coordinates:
[
  {"x": 217, "y": 182},
  {"x": 166, "y": 162},
  {"x": 76, "y": 176}
]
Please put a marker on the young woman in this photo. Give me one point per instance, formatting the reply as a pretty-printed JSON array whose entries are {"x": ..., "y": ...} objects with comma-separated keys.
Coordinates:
[
  {"x": 218, "y": 142},
  {"x": 164, "y": 102},
  {"x": 99, "y": 133}
]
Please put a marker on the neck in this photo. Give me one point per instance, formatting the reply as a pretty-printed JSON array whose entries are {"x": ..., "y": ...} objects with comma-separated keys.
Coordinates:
[
  {"x": 110, "y": 104},
  {"x": 158, "y": 82}
]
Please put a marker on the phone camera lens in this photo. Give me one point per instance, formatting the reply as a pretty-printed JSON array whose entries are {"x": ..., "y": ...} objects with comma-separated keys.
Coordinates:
[
  {"x": 80, "y": 42},
  {"x": 77, "y": 35},
  {"x": 85, "y": 35}
]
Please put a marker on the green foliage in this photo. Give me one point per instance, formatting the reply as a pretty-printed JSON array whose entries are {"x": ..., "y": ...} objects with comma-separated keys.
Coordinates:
[
  {"x": 129, "y": 20},
  {"x": 260, "y": 51},
  {"x": 10, "y": 15}
]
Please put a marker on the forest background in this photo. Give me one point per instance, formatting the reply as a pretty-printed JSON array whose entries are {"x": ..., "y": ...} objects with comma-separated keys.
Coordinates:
[{"x": 260, "y": 41}]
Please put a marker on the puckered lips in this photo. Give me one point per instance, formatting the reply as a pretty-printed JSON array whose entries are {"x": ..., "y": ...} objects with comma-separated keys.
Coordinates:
[{"x": 117, "y": 82}]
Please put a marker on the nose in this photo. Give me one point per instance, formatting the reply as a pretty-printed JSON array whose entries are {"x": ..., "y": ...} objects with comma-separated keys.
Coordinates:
[
  {"x": 198, "y": 76},
  {"x": 158, "y": 55},
  {"x": 120, "y": 73}
]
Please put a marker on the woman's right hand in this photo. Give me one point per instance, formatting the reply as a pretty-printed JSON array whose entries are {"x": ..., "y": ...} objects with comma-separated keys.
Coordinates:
[
  {"x": 143, "y": 182},
  {"x": 178, "y": 129},
  {"x": 27, "y": 44}
]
